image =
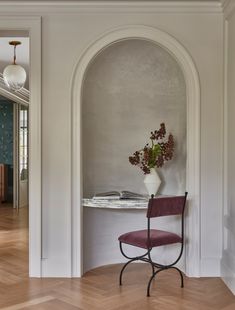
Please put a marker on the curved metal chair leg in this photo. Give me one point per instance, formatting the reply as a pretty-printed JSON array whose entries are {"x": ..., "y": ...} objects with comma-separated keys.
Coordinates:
[
  {"x": 151, "y": 279},
  {"x": 151, "y": 263},
  {"x": 181, "y": 275},
  {"x": 123, "y": 268},
  {"x": 131, "y": 259},
  {"x": 153, "y": 270}
]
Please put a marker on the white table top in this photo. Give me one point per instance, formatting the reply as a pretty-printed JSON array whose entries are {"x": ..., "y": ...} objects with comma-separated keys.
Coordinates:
[{"x": 115, "y": 203}]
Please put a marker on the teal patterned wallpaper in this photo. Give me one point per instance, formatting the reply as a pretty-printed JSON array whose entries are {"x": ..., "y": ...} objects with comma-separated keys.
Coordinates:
[{"x": 6, "y": 132}]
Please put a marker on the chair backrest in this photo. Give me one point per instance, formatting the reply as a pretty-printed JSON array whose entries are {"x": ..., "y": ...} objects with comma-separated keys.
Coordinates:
[{"x": 164, "y": 206}]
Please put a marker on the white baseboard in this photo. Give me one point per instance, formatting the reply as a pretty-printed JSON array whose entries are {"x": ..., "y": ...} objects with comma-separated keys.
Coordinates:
[
  {"x": 56, "y": 268},
  {"x": 210, "y": 267}
]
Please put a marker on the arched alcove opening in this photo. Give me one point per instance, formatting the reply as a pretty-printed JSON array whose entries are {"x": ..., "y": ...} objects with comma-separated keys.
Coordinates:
[
  {"x": 129, "y": 89},
  {"x": 186, "y": 64}
]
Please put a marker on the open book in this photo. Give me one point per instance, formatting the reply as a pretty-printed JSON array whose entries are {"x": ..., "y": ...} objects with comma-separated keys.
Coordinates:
[{"x": 120, "y": 195}]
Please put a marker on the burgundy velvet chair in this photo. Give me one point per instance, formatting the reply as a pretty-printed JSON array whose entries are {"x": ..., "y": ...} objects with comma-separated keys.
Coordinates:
[{"x": 149, "y": 238}]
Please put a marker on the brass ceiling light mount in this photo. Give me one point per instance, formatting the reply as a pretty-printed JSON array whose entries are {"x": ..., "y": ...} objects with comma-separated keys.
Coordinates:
[
  {"x": 14, "y": 75},
  {"x": 14, "y": 43}
]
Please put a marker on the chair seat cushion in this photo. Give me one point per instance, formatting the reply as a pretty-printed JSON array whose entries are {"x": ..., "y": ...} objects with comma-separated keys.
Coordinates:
[{"x": 139, "y": 238}]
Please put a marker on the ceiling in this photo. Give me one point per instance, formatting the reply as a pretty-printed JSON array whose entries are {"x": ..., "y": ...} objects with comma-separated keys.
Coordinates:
[
  {"x": 221, "y": 3},
  {"x": 216, "y": 1}
]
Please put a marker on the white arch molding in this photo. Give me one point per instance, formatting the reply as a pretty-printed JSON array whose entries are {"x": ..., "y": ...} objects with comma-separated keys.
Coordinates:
[{"x": 186, "y": 63}]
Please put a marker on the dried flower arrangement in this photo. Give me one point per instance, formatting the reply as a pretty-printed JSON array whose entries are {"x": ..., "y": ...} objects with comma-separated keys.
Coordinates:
[{"x": 156, "y": 154}]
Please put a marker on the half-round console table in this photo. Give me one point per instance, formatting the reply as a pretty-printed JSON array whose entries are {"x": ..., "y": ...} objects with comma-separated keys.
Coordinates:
[{"x": 124, "y": 204}]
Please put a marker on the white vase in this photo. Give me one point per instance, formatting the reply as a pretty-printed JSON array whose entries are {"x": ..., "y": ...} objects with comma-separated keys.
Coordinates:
[{"x": 152, "y": 182}]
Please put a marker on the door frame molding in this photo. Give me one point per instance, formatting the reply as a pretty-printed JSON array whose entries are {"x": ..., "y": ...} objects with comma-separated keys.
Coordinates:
[
  {"x": 188, "y": 67},
  {"x": 33, "y": 26}
]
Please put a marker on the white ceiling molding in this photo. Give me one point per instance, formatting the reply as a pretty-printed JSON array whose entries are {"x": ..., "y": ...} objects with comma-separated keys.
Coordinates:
[
  {"x": 53, "y": 7},
  {"x": 228, "y": 8},
  {"x": 21, "y": 96},
  {"x": 224, "y": 3},
  {"x": 13, "y": 34}
]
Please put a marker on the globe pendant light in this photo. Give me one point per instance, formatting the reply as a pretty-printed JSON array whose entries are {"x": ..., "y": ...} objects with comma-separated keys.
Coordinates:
[{"x": 14, "y": 75}]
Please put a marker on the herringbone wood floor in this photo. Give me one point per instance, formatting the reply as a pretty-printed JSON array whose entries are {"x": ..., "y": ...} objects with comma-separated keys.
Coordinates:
[{"x": 98, "y": 289}]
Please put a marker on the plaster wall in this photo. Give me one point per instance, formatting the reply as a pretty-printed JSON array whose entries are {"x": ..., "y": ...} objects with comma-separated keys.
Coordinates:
[
  {"x": 129, "y": 90},
  {"x": 65, "y": 35},
  {"x": 201, "y": 34},
  {"x": 228, "y": 258}
]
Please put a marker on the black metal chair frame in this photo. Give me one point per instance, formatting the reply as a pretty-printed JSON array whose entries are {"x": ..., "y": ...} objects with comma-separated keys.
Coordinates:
[{"x": 146, "y": 257}]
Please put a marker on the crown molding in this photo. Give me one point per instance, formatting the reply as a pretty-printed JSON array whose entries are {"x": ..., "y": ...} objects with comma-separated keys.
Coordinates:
[
  {"x": 111, "y": 7},
  {"x": 224, "y": 2},
  {"x": 228, "y": 8}
]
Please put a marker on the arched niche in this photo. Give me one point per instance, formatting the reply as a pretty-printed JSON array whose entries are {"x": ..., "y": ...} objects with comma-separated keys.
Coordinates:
[
  {"x": 129, "y": 89},
  {"x": 186, "y": 64}
]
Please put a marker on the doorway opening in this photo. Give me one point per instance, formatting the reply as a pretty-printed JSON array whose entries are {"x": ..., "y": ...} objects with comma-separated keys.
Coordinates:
[{"x": 14, "y": 193}]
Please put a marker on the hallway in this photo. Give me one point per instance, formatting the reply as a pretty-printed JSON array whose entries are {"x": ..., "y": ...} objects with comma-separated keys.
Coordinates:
[{"x": 13, "y": 244}]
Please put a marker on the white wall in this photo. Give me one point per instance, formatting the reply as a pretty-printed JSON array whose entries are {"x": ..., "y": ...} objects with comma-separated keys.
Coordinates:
[
  {"x": 65, "y": 34},
  {"x": 228, "y": 259},
  {"x": 201, "y": 34}
]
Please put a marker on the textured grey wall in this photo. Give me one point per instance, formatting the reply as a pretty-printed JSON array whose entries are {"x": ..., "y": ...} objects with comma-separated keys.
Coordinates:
[{"x": 129, "y": 89}]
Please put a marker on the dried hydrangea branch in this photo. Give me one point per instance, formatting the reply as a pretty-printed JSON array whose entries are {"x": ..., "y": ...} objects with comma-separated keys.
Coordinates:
[{"x": 157, "y": 154}]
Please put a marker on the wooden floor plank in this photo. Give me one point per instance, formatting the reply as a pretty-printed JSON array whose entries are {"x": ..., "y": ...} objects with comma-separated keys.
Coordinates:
[
  {"x": 27, "y": 304},
  {"x": 98, "y": 289}
]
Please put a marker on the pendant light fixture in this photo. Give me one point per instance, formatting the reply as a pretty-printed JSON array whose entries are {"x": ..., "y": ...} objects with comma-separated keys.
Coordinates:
[{"x": 14, "y": 75}]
